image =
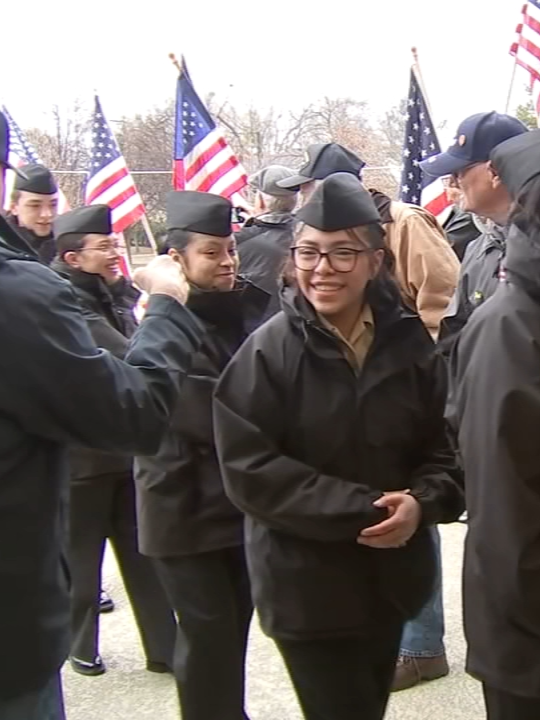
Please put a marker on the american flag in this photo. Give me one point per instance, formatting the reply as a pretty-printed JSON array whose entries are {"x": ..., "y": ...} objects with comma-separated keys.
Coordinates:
[
  {"x": 21, "y": 152},
  {"x": 203, "y": 159},
  {"x": 109, "y": 180},
  {"x": 420, "y": 142},
  {"x": 526, "y": 47}
]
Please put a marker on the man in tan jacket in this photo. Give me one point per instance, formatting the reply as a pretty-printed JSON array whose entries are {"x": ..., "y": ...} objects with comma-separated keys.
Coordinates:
[{"x": 427, "y": 269}]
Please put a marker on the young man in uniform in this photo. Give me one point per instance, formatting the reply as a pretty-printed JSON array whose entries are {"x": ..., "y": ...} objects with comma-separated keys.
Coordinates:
[{"x": 33, "y": 208}]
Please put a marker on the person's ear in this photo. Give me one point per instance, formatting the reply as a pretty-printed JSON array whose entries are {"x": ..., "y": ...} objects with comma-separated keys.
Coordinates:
[
  {"x": 259, "y": 205},
  {"x": 178, "y": 257},
  {"x": 377, "y": 259},
  {"x": 496, "y": 181},
  {"x": 71, "y": 259}
]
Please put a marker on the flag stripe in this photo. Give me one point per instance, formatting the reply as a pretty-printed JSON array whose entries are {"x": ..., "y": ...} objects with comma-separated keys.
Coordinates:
[
  {"x": 526, "y": 48},
  {"x": 230, "y": 183},
  {"x": 95, "y": 189},
  {"x": 110, "y": 182},
  {"x": 123, "y": 217},
  {"x": 204, "y": 160},
  {"x": 111, "y": 194},
  {"x": 213, "y": 177}
]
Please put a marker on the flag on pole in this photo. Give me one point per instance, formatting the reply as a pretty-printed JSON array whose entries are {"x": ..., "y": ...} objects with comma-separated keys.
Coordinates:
[
  {"x": 526, "y": 48},
  {"x": 22, "y": 152},
  {"x": 203, "y": 159},
  {"x": 109, "y": 180},
  {"x": 420, "y": 142}
]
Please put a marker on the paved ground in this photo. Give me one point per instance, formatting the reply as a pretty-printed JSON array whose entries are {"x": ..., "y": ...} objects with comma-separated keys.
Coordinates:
[{"x": 128, "y": 692}]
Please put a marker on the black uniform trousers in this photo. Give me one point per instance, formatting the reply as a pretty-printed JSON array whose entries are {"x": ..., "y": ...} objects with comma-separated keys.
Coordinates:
[
  {"x": 501, "y": 705},
  {"x": 104, "y": 507},
  {"x": 210, "y": 593},
  {"x": 347, "y": 678}
]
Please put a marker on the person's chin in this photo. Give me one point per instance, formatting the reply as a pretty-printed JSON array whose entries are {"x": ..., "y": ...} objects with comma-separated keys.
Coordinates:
[
  {"x": 43, "y": 230},
  {"x": 328, "y": 299},
  {"x": 111, "y": 275},
  {"x": 224, "y": 283}
]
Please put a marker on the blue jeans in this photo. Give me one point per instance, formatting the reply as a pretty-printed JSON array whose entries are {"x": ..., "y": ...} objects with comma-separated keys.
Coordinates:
[
  {"x": 44, "y": 704},
  {"x": 423, "y": 636}
]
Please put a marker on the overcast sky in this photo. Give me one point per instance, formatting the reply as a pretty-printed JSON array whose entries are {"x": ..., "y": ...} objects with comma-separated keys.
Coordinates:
[{"x": 275, "y": 52}]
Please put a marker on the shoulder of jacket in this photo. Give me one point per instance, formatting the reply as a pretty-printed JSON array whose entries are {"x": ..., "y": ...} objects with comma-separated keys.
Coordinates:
[
  {"x": 405, "y": 212},
  {"x": 278, "y": 343}
]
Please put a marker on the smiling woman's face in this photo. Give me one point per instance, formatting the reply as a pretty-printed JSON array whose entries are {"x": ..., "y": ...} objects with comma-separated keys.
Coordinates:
[
  {"x": 334, "y": 284},
  {"x": 210, "y": 262}
]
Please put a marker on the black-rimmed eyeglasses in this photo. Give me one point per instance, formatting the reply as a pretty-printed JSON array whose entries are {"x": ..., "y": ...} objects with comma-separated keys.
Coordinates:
[{"x": 341, "y": 260}]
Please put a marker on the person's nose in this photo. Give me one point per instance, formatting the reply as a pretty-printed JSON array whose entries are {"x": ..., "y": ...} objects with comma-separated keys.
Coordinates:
[{"x": 323, "y": 267}]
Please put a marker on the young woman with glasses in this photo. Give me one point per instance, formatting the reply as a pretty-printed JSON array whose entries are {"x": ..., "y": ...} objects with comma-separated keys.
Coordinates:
[{"x": 331, "y": 438}]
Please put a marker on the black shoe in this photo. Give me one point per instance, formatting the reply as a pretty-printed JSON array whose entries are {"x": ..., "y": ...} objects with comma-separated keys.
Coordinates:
[
  {"x": 88, "y": 668},
  {"x": 106, "y": 605},
  {"x": 158, "y": 667}
]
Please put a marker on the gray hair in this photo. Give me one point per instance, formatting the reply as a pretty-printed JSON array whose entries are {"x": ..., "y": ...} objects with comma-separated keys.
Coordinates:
[{"x": 279, "y": 204}]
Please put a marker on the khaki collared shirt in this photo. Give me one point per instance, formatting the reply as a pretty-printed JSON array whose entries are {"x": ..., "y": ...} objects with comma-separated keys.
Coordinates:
[{"x": 357, "y": 345}]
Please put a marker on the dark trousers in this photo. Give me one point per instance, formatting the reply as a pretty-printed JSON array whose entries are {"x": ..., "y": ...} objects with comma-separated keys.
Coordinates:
[
  {"x": 105, "y": 507},
  {"x": 344, "y": 678},
  {"x": 47, "y": 703},
  {"x": 501, "y": 705},
  {"x": 211, "y": 595}
]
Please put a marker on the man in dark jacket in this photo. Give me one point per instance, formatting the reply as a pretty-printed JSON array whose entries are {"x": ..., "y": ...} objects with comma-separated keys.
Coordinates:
[
  {"x": 467, "y": 160},
  {"x": 33, "y": 207},
  {"x": 59, "y": 389},
  {"x": 497, "y": 399},
  {"x": 264, "y": 241},
  {"x": 102, "y": 491}
]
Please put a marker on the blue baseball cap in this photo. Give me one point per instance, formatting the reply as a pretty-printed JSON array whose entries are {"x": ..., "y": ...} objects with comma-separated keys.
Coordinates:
[{"x": 476, "y": 137}]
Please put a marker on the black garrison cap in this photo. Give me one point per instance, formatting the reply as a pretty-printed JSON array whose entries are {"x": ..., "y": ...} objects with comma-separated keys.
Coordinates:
[
  {"x": 38, "y": 179},
  {"x": 199, "y": 212},
  {"x": 323, "y": 160},
  {"x": 339, "y": 203},
  {"x": 85, "y": 220},
  {"x": 517, "y": 161}
]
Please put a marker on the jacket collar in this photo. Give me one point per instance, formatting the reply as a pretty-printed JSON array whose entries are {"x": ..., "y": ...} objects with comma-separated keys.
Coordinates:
[
  {"x": 242, "y": 307},
  {"x": 89, "y": 283},
  {"x": 13, "y": 242},
  {"x": 29, "y": 235},
  {"x": 400, "y": 337}
]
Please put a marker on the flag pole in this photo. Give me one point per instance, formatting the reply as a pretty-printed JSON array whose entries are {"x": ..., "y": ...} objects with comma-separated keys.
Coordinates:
[
  {"x": 149, "y": 234},
  {"x": 175, "y": 62},
  {"x": 511, "y": 88},
  {"x": 418, "y": 73}
]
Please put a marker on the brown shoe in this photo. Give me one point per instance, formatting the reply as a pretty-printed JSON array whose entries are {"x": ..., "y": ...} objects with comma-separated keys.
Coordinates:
[{"x": 413, "y": 670}]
